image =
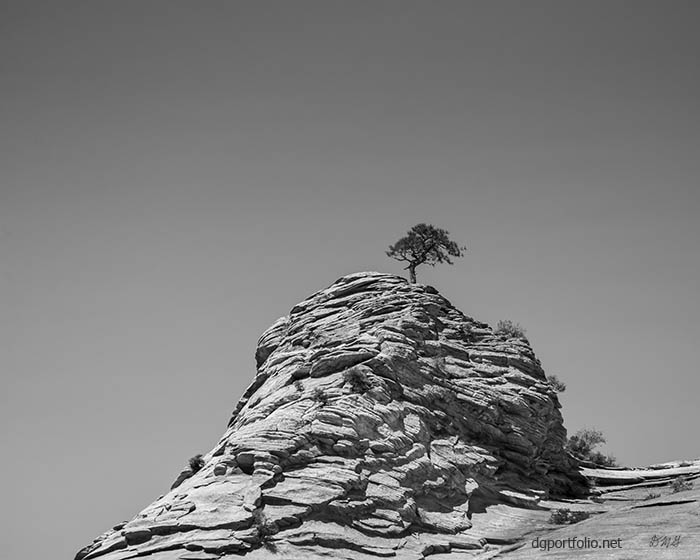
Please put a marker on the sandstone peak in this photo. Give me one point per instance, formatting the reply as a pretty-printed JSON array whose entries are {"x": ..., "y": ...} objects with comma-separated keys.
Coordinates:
[{"x": 381, "y": 422}]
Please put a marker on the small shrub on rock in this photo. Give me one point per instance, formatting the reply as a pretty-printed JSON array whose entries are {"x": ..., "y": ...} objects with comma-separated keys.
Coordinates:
[
  {"x": 468, "y": 333},
  {"x": 651, "y": 496},
  {"x": 358, "y": 380},
  {"x": 319, "y": 395},
  {"x": 196, "y": 463},
  {"x": 441, "y": 428},
  {"x": 557, "y": 384},
  {"x": 508, "y": 329},
  {"x": 265, "y": 530},
  {"x": 681, "y": 484},
  {"x": 261, "y": 524},
  {"x": 565, "y": 516}
]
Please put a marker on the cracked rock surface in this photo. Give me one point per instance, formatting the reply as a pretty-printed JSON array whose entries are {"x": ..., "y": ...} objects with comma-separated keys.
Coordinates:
[
  {"x": 381, "y": 423},
  {"x": 646, "y": 513}
]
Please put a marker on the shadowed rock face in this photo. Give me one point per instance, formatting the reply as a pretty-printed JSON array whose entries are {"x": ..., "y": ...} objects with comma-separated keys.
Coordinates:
[{"x": 381, "y": 422}]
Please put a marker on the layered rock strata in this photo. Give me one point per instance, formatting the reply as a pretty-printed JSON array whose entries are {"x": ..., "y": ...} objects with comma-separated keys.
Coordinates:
[
  {"x": 645, "y": 513},
  {"x": 381, "y": 422}
]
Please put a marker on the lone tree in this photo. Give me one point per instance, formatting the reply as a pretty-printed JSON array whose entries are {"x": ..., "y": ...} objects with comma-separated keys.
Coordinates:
[{"x": 424, "y": 244}]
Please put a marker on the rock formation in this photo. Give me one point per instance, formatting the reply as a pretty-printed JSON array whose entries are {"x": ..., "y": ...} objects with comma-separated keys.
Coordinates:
[{"x": 381, "y": 422}]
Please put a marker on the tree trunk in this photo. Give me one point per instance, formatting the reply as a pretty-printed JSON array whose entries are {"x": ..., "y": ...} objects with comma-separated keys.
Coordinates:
[{"x": 412, "y": 273}]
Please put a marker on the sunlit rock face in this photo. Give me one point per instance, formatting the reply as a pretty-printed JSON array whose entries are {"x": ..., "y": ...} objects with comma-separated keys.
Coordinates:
[{"x": 380, "y": 423}]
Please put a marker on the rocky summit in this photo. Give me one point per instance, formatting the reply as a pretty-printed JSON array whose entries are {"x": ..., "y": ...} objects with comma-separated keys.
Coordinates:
[{"x": 382, "y": 422}]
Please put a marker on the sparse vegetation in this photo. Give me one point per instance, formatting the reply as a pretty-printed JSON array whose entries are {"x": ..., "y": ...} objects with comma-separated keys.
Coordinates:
[
  {"x": 602, "y": 460},
  {"x": 565, "y": 516},
  {"x": 557, "y": 384},
  {"x": 319, "y": 395},
  {"x": 358, "y": 380},
  {"x": 261, "y": 524},
  {"x": 196, "y": 463},
  {"x": 681, "y": 484},
  {"x": 582, "y": 444},
  {"x": 508, "y": 329},
  {"x": 265, "y": 529},
  {"x": 651, "y": 496},
  {"x": 441, "y": 428},
  {"x": 424, "y": 244},
  {"x": 469, "y": 334}
]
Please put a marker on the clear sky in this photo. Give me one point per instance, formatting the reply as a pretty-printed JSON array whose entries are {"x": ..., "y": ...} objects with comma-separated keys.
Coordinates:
[{"x": 176, "y": 175}]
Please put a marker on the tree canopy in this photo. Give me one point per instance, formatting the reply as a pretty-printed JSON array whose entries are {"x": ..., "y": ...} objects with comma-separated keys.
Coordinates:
[
  {"x": 424, "y": 244},
  {"x": 582, "y": 444}
]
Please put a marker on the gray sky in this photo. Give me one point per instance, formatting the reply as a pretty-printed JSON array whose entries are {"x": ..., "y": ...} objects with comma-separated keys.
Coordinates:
[{"x": 175, "y": 176}]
